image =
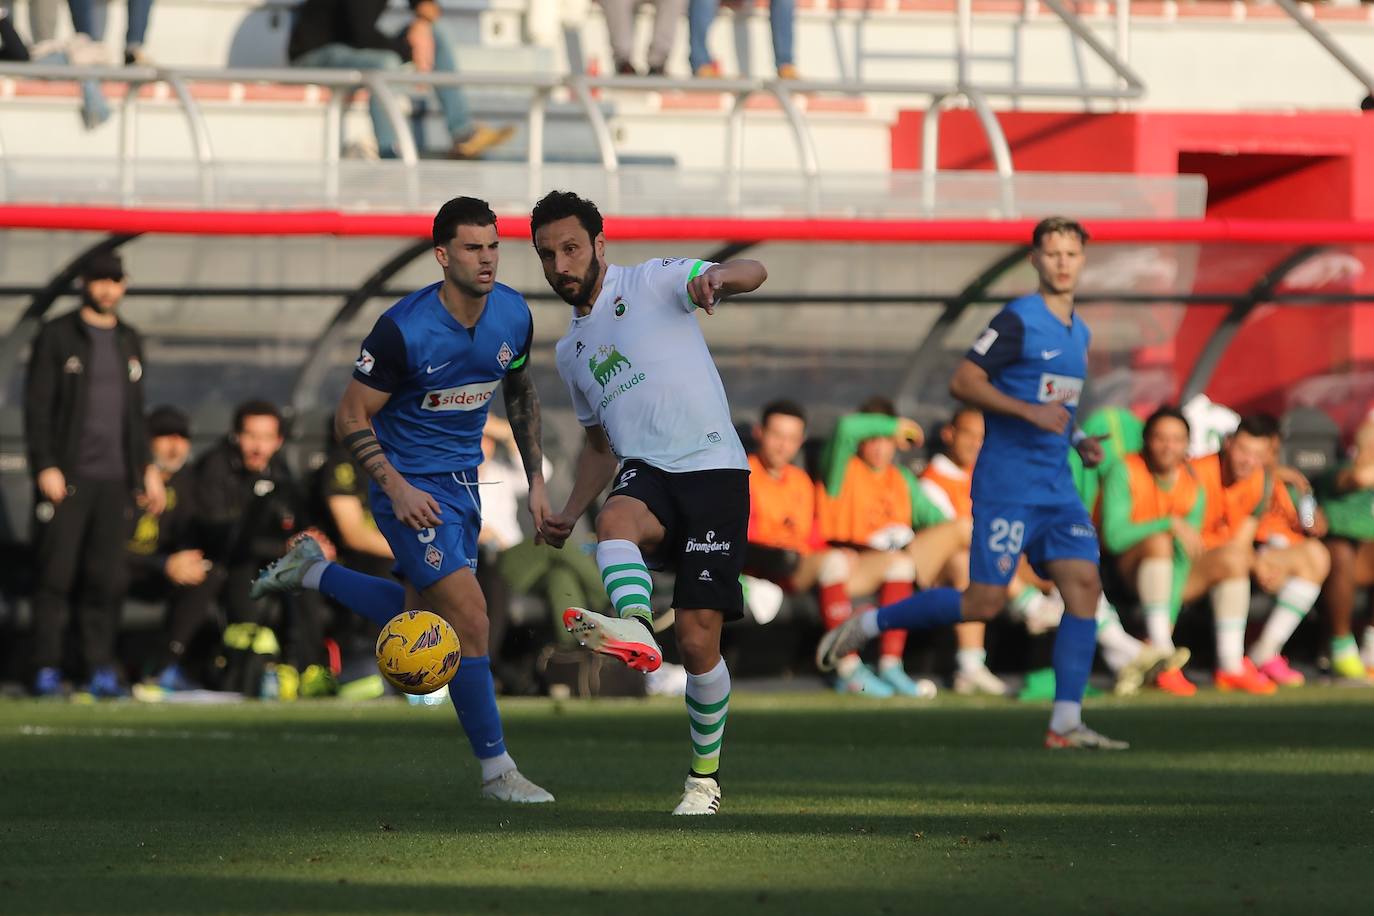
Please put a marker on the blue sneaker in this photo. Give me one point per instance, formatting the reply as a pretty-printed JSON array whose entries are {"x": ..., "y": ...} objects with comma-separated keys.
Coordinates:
[
  {"x": 48, "y": 683},
  {"x": 895, "y": 677},
  {"x": 105, "y": 683},
  {"x": 863, "y": 681},
  {"x": 172, "y": 679}
]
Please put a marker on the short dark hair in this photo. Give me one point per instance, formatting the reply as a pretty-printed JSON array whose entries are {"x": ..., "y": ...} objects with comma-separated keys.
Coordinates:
[
  {"x": 1164, "y": 412},
  {"x": 961, "y": 410},
  {"x": 167, "y": 420},
  {"x": 102, "y": 265},
  {"x": 1053, "y": 225},
  {"x": 557, "y": 205},
  {"x": 255, "y": 408},
  {"x": 878, "y": 404},
  {"x": 1263, "y": 425},
  {"x": 461, "y": 211},
  {"x": 782, "y": 407}
]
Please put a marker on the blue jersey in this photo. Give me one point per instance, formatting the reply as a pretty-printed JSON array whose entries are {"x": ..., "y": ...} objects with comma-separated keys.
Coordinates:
[
  {"x": 441, "y": 376},
  {"x": 1031, "y": 355}
]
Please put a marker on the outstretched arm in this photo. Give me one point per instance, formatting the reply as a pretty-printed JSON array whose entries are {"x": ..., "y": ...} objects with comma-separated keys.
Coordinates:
[{"x": 710, "y": 286}]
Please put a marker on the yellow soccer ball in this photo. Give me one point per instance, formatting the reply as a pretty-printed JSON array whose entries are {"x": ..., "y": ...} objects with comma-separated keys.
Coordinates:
[{"x": 418, "y": 652}]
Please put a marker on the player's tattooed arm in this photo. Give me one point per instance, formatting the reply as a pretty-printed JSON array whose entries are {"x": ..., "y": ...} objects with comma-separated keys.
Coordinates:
[
  {"x": 522, "y": 410},
  {"x": 353, "y": 427}
]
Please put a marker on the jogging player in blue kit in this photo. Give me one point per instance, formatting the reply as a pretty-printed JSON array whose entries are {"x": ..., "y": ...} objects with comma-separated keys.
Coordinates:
[
  {"x": 1026, "y": 372},
  {"x": 412, "y": 417}
]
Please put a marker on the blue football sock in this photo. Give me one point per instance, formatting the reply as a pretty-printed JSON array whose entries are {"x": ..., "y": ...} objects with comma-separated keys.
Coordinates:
[
  {"x": 474, "y": 697},
  {"x": 934, "y": 607},
  {"x": 1074, "y": 647},
  {"x": 378, "y": 600}
]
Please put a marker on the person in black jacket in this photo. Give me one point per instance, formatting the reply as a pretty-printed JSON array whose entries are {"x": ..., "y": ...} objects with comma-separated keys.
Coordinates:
[
  {"x": 247, "y": 506},
  {"x": 163, "y": 566},
  {"x": 87, "y": 448},
  {"x": 343, "y": 34}
]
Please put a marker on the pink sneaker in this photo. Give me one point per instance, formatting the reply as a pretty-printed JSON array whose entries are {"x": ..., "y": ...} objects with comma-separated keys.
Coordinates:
[{"x": 1280, "y": 672}]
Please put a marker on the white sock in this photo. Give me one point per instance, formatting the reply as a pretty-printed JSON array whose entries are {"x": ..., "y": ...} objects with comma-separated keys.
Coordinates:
[
  {"x": 1295, "y": 599},
  {"x": 311, "y": 579},
  {"x": 846, "y": 666},
  {"x": 1154, "y": 582},
  {"x": 1230, "y": 607},
  {"x": 493, "y": 767},
  {"x": 1119, "y": 648},
  {"x": 1367, "y": 647},
  {"x": 1067, "y": 716},
  {"x": 888, "y": 662},
  {"x": 971, "y": 660},
  {"x": 708, "y": 704}
]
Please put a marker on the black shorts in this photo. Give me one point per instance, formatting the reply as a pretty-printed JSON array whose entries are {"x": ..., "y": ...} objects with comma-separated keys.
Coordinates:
[{"x": 705, "y": 515}]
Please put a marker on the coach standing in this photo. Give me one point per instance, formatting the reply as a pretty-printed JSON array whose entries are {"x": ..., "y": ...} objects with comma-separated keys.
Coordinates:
[{"x": 83, "y": 419}]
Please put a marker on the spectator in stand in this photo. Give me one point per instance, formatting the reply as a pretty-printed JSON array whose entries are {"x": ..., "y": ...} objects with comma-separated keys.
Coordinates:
[
  {"x": 247, "y": 507},
  {"x": 869, "y": 504},
  {"x": 79, "y": 50},
  {"x": 343, "y": 34},
  {"x": 42, "y": 20},
  {"x": 1237, "y": 492},
  {"x": 162, "y": 569},
  {"x": 88, "y": 18},
  {"x": 1152, "y": 513},
  {"x": 620, "y": 23},
  {"x": 1291, "y": 562},
  {"x": 1346, "y": 495},
  {"x": 700, "y": 15},
  {"x": 88, "y": 449},
  {"x": 563, "y": 578}
]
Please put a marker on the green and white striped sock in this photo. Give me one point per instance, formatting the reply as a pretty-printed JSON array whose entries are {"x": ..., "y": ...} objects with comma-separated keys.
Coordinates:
[
  {"x": 708, "y": 702},
  {"x": 626, "y": 579},
  {"x": 1295, "y": 599}
]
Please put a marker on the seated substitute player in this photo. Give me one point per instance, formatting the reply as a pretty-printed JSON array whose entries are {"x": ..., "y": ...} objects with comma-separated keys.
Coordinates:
[
  {"x": 1025, "y": 372},
  {"x": 1152, "y": 509},
  {"x": 647, "y": 391},
  {"x": 1237, "y": 491},
  {"x": 1290, "y": 561},
  {"x": 874, "y": 507},
  {"x": 1346, "y": 496},
  {"x": 412, "y": 417}
]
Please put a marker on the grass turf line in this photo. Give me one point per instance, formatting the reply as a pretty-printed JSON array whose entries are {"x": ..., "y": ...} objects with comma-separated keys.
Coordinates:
[{"x": 831, "y": 805}]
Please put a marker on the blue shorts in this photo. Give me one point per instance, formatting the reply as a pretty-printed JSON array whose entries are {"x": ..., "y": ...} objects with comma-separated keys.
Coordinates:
[
  {"x": 424, "y": 557},
  {"x": 1003, "y": 531}
]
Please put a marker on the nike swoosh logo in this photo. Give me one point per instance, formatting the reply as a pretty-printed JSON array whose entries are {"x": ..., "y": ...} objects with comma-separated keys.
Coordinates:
[
  {"x": 1044, "y": 354},
  {"x": 492, "y": 743},
  {"x": 430, "y": 370}
]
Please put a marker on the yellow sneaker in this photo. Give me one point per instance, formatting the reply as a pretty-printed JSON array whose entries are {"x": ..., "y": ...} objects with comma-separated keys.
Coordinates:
[{"x": 480, "y": 140}]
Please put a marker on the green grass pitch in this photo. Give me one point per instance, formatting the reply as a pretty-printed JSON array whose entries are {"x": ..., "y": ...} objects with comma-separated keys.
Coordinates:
[{"x": 832, "y": 805}]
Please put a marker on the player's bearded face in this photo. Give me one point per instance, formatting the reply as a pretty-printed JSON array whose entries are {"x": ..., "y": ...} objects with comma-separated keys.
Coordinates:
[
  {"x": 575, "y": 290},
  {"x": 102, "y": 295}
]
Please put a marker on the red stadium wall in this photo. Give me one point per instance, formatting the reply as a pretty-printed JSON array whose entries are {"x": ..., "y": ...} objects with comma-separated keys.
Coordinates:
[{"x": 1258, "y": 166}]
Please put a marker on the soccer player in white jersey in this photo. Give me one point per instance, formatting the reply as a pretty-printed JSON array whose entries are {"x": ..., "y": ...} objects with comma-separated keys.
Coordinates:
[{"x": 657, "y": 422}]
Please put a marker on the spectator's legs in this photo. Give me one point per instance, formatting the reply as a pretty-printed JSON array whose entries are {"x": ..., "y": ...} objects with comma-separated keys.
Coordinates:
[
  {"x": 104, "y": 574},
  {"x": 342, "y": 57},
  {"x": 190, "y": 609},
  {"x": 620, "y": 25},
  {"x": 700, "y": 15},
  {"x": 1224, "y": 573},
  {"x": 898, "y": 584},
  {"x": 84, "y": 18},
  {"x": 43, "y": 19},
  {"x": 781, "y": 14},
  {"x": 58, "y": 547},
  {"x": 452, "y": 99},
  {"x": 1303, "y": 568},
  {"x": 137, "y": 29},
  {"x": 1151, "y": 565},
  {"x": 666, "y": 16}
]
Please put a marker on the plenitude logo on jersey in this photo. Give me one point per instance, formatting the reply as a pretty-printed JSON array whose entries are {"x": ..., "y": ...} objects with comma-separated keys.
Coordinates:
[
  {"x": 607, "y": 365},
  {"x": 464, "y": 397},
  {"x": 1062, "y": 388}
]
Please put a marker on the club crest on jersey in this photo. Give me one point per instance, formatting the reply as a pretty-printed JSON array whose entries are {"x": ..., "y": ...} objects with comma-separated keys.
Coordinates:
[
  {"x": 621, "y": 307},
  {"x": 1004, "y": 563},
  {"x": 504, "y": 355},
  {"x": 365, "y": 363},
  {"x": 611, "y": 363},
  {"x": 580, "y": 347},
  {"x": 434, "y": 557},
  {"x": 1062, "y": 388}
]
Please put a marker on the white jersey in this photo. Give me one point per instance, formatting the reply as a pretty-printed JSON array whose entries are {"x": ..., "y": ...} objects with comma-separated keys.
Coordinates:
[{"x": 637, "y": 365}]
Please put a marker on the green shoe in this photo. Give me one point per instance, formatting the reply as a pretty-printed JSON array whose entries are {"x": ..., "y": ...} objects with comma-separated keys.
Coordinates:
[
  {"x": 318, "y": 681},
  {"x": 1350, "y": 667},
  {"x": 1039, "y": 687}
]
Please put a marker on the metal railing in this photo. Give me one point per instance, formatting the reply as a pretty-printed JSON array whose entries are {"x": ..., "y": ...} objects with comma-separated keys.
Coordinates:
[
  {"x": 582, "y": 90},
  {"x": 1301, "y": 13}
]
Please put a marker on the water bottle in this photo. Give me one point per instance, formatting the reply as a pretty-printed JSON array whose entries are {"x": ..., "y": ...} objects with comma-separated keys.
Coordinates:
[{"x": 1307, "y": 511}]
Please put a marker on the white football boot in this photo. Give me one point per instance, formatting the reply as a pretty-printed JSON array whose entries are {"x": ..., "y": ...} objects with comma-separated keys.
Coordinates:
[
  {"x": 700, "y": 795},
  {"x": 510, "y": 786}
]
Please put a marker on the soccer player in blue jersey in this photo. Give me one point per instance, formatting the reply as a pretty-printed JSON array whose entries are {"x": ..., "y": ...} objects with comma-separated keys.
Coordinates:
[
  {"x": 412, "y": 417},
  {"x": 1026, "y": 372}
]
